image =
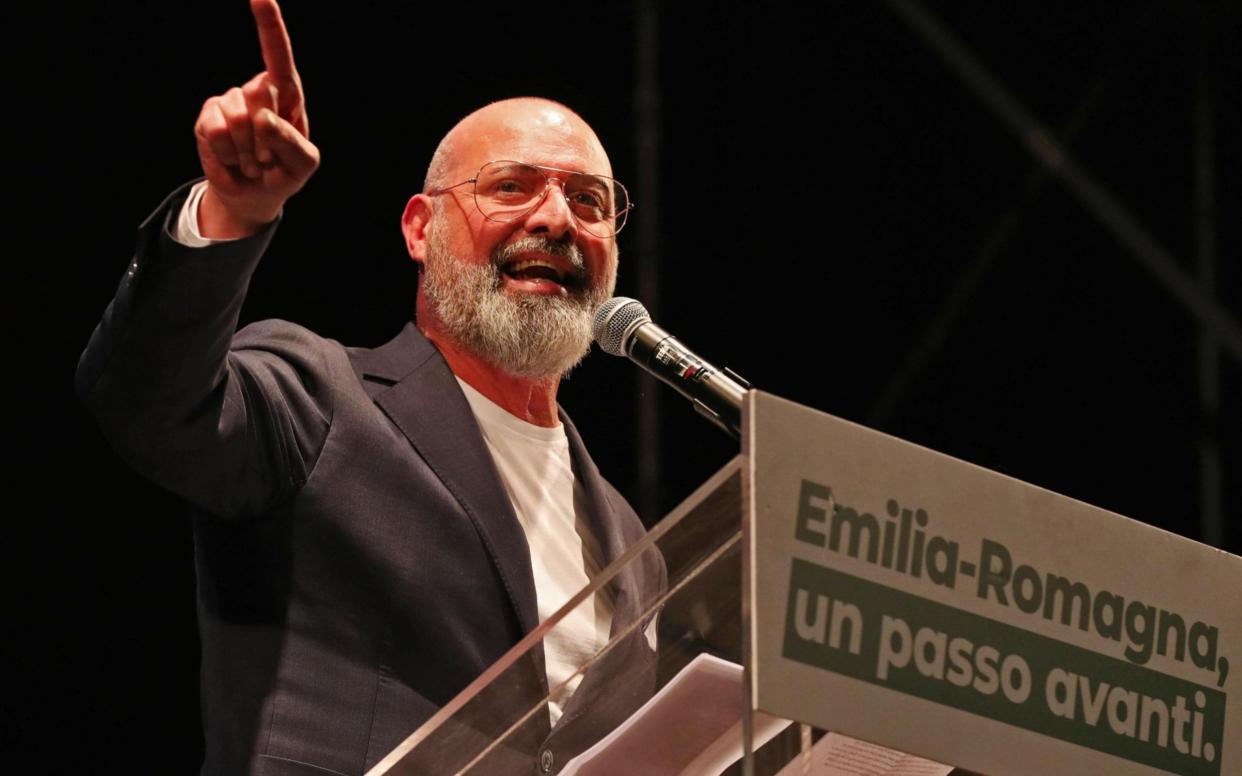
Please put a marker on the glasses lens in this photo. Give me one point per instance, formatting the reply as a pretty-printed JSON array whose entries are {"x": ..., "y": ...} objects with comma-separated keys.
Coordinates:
[
  {"x": 599, "y": 203},
  {"x": 506, "y": 191}
]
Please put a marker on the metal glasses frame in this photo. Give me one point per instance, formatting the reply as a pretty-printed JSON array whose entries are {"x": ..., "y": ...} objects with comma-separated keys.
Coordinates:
[{"x": 544, "y": 169}]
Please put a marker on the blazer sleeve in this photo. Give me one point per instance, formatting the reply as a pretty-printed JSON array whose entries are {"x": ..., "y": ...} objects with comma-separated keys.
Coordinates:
[{"x": 233, "y": 424}]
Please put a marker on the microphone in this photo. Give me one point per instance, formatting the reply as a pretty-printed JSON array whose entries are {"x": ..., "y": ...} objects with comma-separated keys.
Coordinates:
[{"x": 623, "y": 327}]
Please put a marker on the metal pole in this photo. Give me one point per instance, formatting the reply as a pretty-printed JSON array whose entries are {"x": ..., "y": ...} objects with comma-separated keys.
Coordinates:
[
  {"x": 1211, "y": 485},
  {"x": 1097, "y": 200},
  {"x": 647, "y": 258},
  {"x": 1034, "y": 182}
]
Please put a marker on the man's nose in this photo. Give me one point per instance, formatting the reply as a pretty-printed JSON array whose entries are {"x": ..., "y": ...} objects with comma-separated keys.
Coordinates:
[{"x": 552, "y": 215}]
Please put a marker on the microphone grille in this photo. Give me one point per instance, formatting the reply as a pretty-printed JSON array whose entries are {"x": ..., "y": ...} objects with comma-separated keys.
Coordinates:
[{"x": 614, "y": 320}]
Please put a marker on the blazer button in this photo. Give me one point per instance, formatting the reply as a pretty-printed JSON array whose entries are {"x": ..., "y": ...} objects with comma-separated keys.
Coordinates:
[{"x": 545, "y": 761}]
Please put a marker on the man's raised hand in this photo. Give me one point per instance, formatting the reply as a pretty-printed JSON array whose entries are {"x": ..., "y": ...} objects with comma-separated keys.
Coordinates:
[{"x": 254, "y": 141}]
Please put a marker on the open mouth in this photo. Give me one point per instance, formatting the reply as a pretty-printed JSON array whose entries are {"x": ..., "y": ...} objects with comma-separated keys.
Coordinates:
[{"x": 539, "y": 274}]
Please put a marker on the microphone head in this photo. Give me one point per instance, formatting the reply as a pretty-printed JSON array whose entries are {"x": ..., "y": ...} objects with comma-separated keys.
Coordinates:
[{"x": 615, "y": 321}]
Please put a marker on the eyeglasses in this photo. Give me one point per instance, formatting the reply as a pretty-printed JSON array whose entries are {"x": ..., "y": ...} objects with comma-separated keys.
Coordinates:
[{"x": 506, "y": 191}]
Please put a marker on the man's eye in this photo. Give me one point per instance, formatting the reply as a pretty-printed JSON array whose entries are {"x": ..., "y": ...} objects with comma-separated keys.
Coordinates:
[
  {"x": 510, "y": 189},
  {"x": 591, "y": 200}
]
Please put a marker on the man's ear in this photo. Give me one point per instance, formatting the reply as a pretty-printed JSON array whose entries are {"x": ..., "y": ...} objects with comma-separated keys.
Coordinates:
[{"x": 414, "y": 223}]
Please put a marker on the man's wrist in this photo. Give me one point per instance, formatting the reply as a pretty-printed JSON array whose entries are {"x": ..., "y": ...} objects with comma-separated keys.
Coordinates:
[
  {"x": 216, "y": 221},
  {"x": 186, "y": 231}
]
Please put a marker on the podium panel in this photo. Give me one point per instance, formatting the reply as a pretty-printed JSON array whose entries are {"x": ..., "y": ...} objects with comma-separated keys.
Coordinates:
[{"x": 911, "y": 599}]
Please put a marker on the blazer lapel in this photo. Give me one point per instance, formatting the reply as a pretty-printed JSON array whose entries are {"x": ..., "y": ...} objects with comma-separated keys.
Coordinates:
[
  {"x": 412, "y": 384},
  {"x": 601, "y": 516},
  {"x": 604, "y": 524}
]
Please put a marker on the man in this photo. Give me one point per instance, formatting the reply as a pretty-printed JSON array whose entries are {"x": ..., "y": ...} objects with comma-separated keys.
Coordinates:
[{"x": 374, "y": 528}]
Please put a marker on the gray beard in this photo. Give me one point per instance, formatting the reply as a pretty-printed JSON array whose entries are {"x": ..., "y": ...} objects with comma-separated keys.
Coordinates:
[{"x": 526, "y": 335}]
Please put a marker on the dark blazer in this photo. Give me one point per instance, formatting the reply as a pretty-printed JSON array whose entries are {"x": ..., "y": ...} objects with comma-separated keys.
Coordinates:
[{"x": 358, "y": 560}]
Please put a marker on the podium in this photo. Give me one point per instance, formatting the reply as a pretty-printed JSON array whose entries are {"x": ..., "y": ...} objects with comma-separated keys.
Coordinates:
[{"x": 881, "y": 590}]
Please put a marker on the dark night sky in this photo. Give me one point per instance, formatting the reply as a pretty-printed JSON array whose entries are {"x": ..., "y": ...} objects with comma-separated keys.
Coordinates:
[{"x": 825, "y": 181}]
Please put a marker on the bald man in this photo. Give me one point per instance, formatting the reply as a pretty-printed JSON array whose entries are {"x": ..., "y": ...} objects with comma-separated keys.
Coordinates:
[{"x": 375, "y": 528}]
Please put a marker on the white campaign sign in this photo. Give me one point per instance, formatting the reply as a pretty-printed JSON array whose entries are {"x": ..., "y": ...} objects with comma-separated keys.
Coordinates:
[{"x": 907, "y": 598}]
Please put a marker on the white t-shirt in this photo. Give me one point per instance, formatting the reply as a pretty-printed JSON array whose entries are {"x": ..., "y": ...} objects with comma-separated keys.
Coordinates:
[{"x": 535, "y": 467}]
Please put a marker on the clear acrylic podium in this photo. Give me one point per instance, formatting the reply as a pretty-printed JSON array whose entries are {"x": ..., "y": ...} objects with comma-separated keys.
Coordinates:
[{"x": 500, "y": 723}]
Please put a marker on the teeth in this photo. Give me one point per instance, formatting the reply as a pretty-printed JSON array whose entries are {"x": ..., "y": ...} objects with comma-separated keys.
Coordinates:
[{"x": 521, "y": 266}]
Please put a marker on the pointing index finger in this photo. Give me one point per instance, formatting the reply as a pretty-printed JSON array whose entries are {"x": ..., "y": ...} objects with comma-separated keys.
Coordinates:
[{"x": 274, "y": 40}]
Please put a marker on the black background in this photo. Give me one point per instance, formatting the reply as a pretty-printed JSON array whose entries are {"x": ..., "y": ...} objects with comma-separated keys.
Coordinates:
[{"x": 825, "y": 181}]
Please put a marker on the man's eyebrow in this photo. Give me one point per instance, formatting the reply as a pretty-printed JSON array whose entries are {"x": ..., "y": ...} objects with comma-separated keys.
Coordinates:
[{"x": 592, "y": 176}]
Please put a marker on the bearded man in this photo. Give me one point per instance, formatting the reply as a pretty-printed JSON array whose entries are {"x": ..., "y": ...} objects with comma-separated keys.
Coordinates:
[{"x": 374, "y": 528}]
